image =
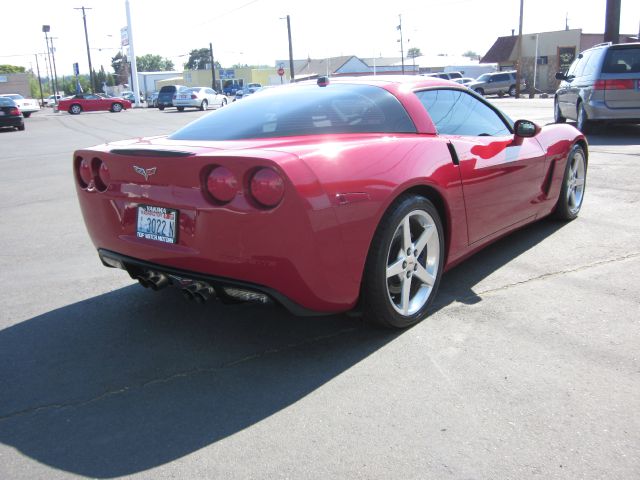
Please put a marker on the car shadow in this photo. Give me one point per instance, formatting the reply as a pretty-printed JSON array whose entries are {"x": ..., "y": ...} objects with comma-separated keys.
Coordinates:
[
  {"x": 132, "y": 379},
  {"x": 614, "y": 135},
  {"x": 458, "y": 284}
]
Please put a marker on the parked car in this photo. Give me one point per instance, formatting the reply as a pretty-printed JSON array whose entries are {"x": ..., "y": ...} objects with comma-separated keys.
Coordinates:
[
  {"x": 51, "y": 100},
  {"x": 167, "y": 95},
  {"x": 464, "y": 80},
  {"x": 245, "y": 92},
  {"x": 445, "y": 75},
  {"x": 91, "y": 102},
  {"x": 131, "y": 96},
  {"x": 497, "y": 83},
  {"x": 26, "y": 105},
  {"x": 10, "y": 115},
  {"x": 356, "y": 194},
  {"x": 602, "y": 83},
  {"x": 199, "y": 97},
  {"x": 152, "y": 100}
]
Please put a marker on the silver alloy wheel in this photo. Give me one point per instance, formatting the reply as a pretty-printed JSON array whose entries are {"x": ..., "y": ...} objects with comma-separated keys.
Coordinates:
[
  {"x": 412, "y": 262},
  {"x": 75, "y": 109},
  {"x": 116, "y": 107},
  {"x": 575, "y": 182}
]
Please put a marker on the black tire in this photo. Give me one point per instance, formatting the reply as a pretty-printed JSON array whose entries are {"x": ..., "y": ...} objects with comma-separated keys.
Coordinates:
[
  {"x": 582, "y": 119},
  {"x": 75, "y": 109},
  {"x": 573, "y": 187},
  {"x": 116, "y": 107},
  {"x": 381, "y": 292},
  {"x": 26, "y": 114},
  {"x": 557, "y": 114},
  {"x": 512, "y": 91},
  {"x": 479, "y": 91},
  {"x": 224, "y": 102},
  {"x": 161, "y": 108},
  {"x": 204, "y": 105},
  {"x": 20, "y": 128},
  {"x": 180, "y": 109}
]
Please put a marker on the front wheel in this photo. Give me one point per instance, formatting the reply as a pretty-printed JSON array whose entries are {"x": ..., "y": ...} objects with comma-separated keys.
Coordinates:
[
  {"x": 75, "y": 109},
  {"x": 116, "y": 107},
  {"x": 204, "y": 105},
  {"x": 180, "y": 109},
  {"x": 512, "y": 91},
  {"x": 479, "y": 91},
  {"x": 404, "y": 265},
  {"x": 573, "y": 184},
  {"x": 557, "y": 113}
]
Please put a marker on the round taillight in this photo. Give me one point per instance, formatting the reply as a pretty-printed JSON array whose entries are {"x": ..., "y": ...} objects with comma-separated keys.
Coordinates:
[
  {"x": 267, "y": 187},
  {"x": 84, "y": 172},
  {"x": 103, "y": 178},
  {"x": 222, "y": 184}
]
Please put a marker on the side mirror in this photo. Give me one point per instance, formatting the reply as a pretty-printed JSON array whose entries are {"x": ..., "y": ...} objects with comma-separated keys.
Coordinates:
[
  {"x": 560, "y": 76},
  {"x": 526, "y": 129}
]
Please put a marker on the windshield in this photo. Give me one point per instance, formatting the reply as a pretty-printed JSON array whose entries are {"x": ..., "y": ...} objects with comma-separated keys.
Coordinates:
[
  {"x": 303, "y": 110},
  {"x": 483, "y": 78}
]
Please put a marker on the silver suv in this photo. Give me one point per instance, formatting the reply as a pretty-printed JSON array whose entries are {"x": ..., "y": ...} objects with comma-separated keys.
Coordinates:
[
  {"x": 496, "y": 83},
  {"x": 602, "y": 83}
]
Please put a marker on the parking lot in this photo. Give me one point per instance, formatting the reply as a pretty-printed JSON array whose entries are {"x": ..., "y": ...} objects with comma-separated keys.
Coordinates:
[{"x": 529, "y": 366}]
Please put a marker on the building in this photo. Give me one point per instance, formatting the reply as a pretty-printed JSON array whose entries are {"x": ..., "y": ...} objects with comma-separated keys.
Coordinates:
[
  {"x": 15, "y": 83},
  {"x": 555, "y": 52}
]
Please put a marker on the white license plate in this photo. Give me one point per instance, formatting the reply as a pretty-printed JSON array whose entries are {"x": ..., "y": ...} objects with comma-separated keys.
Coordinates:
[
  {"x": 183, "y": 97},
  {"x": 157, "y": 223},
  {"x": 1, "y": 113}
]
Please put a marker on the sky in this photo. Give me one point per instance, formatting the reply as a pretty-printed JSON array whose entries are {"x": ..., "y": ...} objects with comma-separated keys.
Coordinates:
[{"x": 255, "y": 31}]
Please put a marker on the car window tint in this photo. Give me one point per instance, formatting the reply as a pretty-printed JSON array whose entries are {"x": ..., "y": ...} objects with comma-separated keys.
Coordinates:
[
  {"x": 574, "y": 66},
  {"x": 304, "y": 110},
  {"x": 456, "y": 112},
  {"x": 591, "y": 63},
  {"x": 6, "y": 102},
  {"x": 578, "y": 72},
  {"x": 622, "y": 60}
]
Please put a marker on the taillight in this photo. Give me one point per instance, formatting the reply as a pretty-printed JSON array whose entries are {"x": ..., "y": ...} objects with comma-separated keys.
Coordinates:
[
  {"x": 84, "y": 173},
  {"x": 14, "y": 111},
  {"x": 193, "y": 97},
  {"x": 102, "y": 177},
  {"x": 222, "y": 184},
  {"x": 613, "y": 84},
  {"x": 267, "y": 187}
]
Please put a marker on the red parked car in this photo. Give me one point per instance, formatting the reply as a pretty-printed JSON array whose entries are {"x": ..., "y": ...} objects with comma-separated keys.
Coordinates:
[
  {"x": 353, "y": 193},
  {"x": 90, "y": 102}
]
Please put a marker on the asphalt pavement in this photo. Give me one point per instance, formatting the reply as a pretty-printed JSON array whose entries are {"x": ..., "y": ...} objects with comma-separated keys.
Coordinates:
[{"x": 528, "y": 368}]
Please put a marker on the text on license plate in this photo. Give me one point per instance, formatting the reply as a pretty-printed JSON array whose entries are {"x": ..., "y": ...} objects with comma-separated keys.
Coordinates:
[{"x": 157, "y": 223}]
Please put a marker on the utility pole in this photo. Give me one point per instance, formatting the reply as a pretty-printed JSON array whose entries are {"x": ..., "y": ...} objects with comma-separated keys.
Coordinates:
[
  {"x": 86, "y": 38},
  {"x": 612, "y": 22},
  {"x": 399, "y": 27},
  {"x": 213, "y": 69},
  {"x": 292, "y": 73},
  {"x": 134, "y": 67},
  {"x": 39, "y": 81},
  {"x": 519, "y": 69}
]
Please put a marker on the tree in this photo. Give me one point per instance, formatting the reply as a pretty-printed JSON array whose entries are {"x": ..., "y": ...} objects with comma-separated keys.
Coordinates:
[
  {"x": 153, "y": 63},
  {"x": 198, "y": 59},
  {"x": 120, "y": 66},
  {"x": 414, "y": 52},
  {"x": 471, "y": 54},
  {"x": 11, "y": 69}
]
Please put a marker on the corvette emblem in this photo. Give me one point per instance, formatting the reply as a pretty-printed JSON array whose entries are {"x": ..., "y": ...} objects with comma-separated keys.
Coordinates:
[{"x": 145, "y": 173}]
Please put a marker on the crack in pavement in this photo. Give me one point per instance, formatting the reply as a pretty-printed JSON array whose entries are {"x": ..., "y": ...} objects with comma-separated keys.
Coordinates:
[{"x": 184, "y": 374}]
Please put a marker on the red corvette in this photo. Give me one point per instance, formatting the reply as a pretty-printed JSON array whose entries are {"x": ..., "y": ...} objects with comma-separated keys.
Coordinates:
[
  {"x": 90, "y": 102},
  {"x": 353, "y": 193}
]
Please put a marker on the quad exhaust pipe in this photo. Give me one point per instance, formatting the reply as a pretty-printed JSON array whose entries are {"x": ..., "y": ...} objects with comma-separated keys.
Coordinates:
[
  {"x": 154, "y": 280},
  {"x": 198, "y": 291}
]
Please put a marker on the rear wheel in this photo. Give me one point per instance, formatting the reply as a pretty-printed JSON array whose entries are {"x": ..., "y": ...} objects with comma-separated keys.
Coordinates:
[
  {"x": 512, "y": 90},
  {"x": 204, "y": 105},
  {"x": 161, "y": 108},
  {"x": 582, "y": 123},
  {"x": 180, "y": 109},
  {"x": 224, "y": 102},
  {"x": 20, "y": 127},
  {"x": 573, "y": 185},
  {"x": 26, "y": 114},
  {"x": 557, "y": 114},
  {"x": 116, "y": 107},
  {"x": 404, "y": 265},
  {"x": 75, "y": 109},
  {"x": 479, "y": 91}
]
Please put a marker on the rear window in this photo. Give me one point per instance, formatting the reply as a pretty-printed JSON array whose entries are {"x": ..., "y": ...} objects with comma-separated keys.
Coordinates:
[
  {"x": 622, "y": 60},
  {"x": 168, "y": 89},
  {"x": 6, "y": 102},
  {"x": 303, "y": 110}
]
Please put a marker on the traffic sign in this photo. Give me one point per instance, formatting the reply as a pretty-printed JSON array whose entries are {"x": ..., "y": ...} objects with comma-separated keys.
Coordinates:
[{"x": 281, "y": 71}]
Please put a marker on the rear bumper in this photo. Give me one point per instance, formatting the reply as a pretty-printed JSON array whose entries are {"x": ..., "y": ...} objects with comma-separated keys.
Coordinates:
[
  {"x": 11, "y": 121},
  {"x": 598, "y": 110}
]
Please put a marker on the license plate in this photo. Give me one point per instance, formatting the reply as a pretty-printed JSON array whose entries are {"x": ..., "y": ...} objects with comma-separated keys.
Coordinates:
[
  {"x": 157, "y": 223},
  {"x": 1, "y": 113},
  {"x": 183, "y": 97}
]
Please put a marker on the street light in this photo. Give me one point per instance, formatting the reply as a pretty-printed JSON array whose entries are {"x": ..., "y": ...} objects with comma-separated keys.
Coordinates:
[
  {"x": 86, "y": 38},
  {"x": 51, "y": 53}
]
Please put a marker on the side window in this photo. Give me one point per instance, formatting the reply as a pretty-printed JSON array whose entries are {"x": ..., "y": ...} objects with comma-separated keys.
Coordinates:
[
  {"x": 580, "y": 67},
  {"x": 592, "y": 63},
  {"x": 457, "y": 112},
  {"x": 209, "y": 91},
  {"x": 574, "y": 67}
]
